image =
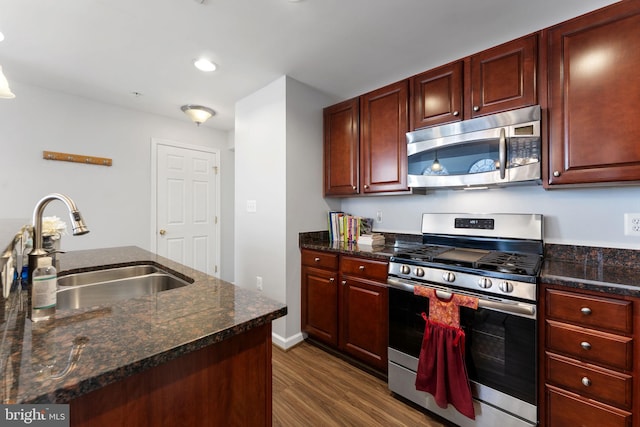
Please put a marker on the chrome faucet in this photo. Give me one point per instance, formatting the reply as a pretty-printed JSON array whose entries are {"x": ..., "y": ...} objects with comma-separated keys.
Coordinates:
[{"x": 78, "y": 225}]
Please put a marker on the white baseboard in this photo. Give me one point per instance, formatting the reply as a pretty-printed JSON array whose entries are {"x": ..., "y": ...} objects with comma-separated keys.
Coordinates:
[{"x": 287, "y": 343}]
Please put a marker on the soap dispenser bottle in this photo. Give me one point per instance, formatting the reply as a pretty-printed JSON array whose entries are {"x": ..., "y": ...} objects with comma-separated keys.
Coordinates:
[{"x": 43, "y": 290}]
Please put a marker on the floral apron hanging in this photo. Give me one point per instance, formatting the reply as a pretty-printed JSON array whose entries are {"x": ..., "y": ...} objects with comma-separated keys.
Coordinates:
[{"x": 441, "y": 368}]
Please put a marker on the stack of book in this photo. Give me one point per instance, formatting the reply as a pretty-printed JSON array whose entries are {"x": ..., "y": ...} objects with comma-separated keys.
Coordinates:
[
  {"x": 343, "y": 227},
  {"x": 373, "y": 239}
]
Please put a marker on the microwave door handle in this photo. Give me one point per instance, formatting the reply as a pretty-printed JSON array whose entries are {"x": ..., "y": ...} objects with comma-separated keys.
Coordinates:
[{"x": 503, "y": 153}]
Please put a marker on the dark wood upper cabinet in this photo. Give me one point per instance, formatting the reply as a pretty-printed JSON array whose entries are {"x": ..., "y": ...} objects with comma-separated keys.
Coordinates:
[
  {"x": 384, "y": 122},
  {"x": 341, "y": 148},
  {"x": 594, "y": 86},
  {"x": 503, "y": 78},
  {"x": 437, "y": 96},
  {"x": 498, "y": 79}
]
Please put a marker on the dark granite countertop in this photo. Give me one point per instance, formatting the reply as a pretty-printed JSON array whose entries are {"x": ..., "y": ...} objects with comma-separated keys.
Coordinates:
[
  {"x": 606, "y": 270},
  {"x": 319, "y": 241},
  {"x": 37, "y": 360}
]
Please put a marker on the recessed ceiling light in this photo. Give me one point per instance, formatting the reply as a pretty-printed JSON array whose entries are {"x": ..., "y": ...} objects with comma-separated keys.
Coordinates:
[{"x": 204, "y": 65}]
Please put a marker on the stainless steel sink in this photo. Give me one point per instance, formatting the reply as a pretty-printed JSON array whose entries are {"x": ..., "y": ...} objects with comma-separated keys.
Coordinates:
[{"x": 107, "y": 286}]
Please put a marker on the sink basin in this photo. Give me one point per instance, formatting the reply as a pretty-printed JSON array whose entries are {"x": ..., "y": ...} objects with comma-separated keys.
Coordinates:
[{"x": 107, "y": 286}]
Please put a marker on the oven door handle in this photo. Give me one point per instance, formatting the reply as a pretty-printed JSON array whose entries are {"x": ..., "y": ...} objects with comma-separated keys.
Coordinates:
[
  {"x": 502, "y": 153},
  {"x": 511, "y": 307}
]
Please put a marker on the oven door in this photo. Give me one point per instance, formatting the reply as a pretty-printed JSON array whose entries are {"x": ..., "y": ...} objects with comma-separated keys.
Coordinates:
[{"x": 500, "y": 354}]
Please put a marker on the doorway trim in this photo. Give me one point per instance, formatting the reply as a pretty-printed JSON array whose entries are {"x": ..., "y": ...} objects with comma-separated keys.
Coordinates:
[{"x": 155, "y": 142}]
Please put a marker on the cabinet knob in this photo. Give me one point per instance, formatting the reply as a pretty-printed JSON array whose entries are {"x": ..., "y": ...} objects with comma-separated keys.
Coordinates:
[
  {"x": 556, "y": 173},
  {"x": 585, "y": 345},
  {"x": 586, "y": 381},
  {"x": 354, "y": 187},
  {"x": 361, "y": 268},
  {"x": 456, "y": 113},
  {"x": 585, "y": 310},
  {"x": 316, "y": 259},
  {"x": 366, "y": 186},
  {"x": 162, "y": 232},
  {"x": 476, "y": 108},
  {"x": 344, "y": 282},
  {"x": 331, "y": 280}
]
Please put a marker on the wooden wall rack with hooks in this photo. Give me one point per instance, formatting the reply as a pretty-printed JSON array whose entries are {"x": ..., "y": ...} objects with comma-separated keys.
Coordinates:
[{"x": 77, "y": 158}]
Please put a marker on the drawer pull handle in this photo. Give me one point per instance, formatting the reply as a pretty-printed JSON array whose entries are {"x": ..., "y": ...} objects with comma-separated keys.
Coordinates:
[
  {"x": 585, "y": 345},
  {"x": 361, "y": 268},
  {"x": 586, "y": 381},
  {"x": 585, "y": 310}
]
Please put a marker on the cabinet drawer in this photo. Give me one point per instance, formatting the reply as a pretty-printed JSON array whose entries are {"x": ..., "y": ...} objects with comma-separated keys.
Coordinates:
[
  {"x": 320, "y": 259},
  {"x": 364, "y": 268},
  {"x": 568, "y": 410},
  {"x": 595, "y": 312},
  {"x": 589, "y": 345},
  {"x": 603, "y": 385}
]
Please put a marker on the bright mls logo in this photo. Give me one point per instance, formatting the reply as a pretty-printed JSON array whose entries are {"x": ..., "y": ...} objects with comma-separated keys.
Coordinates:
[{"x": 34, "y": 415}]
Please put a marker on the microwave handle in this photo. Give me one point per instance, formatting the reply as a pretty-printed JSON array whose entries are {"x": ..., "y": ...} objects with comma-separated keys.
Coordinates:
[{"x": 503, "y": 153}]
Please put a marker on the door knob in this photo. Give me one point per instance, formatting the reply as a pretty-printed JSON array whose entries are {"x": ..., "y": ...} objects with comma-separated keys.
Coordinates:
[{"x": 163, "y": 232}]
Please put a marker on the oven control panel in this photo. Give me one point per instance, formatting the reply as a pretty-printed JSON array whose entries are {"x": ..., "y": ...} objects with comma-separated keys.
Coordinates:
[
  {"x": 475, "y": 223},
  {"x": 472, "y": 282}
]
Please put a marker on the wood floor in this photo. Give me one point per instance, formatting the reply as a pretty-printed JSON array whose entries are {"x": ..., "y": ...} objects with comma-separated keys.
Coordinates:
[{"x": 314, "y": 388}]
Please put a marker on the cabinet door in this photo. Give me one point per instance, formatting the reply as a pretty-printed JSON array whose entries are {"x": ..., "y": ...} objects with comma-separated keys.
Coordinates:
[
  {"x": 384, "y": 122},
  {"x": 364, "y": 324},
  {"x": 341, "y": 148},
  {"x": 593, "y": 91},
  {"x": 503, "y": 78},
  {"x": 320, "y": 304},
  {"x": 436, "y": 96}
]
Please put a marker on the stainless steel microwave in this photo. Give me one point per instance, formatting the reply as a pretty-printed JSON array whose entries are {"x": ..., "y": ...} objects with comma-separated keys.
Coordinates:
[{"x": 499, "y": 149}]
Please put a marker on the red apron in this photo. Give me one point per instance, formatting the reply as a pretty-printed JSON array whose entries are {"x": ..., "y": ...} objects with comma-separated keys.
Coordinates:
[{"x": 441, "y": 368}]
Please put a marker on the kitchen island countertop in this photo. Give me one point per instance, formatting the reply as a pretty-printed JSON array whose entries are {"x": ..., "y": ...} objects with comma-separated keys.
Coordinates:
[{"x": 83, "y": 350}]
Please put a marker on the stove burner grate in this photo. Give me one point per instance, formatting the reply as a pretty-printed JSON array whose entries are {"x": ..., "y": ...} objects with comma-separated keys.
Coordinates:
[
  {"x": 510, "y": 262},
  {"x": 503, "y": 262}
]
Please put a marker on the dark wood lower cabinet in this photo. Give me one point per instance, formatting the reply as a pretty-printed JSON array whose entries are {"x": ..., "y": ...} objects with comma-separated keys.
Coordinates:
[
  {"x": 364, "y": 321},
  {"x": 344, "y": 305},
  {"x": 227, "y": 383},
  {"x": 588, "y": 358}
]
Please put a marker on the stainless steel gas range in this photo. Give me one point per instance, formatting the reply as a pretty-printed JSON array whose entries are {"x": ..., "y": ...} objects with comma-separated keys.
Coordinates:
[{"x": 496, "y": 258}]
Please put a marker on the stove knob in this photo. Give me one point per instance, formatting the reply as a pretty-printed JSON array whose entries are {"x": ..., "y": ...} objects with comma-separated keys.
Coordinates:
[
  {"x": 506, "y": 287},
  {"x": 484, "y": 283},
  {"x": 419, "y": 272},
  {"x": 449, "y": 277},
  {"x": 405, "y": 269}
]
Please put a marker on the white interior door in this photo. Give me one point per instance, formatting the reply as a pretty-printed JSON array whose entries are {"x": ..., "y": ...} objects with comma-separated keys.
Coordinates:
[{"x": 186, "y": 206}]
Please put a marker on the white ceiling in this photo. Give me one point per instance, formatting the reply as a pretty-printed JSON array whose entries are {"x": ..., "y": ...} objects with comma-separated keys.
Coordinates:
[{"x": 107, "y": 49}]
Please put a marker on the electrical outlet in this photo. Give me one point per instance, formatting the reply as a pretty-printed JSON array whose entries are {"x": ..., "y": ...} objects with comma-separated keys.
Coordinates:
[
  {"x": 259, "y": 282},
  {"x": 379, "y": 217},
  {"x": 632, "y": 224}
]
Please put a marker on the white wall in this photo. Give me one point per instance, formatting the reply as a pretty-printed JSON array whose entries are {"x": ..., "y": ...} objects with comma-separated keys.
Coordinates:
[
  {"x": 589, "y": 217},
  {"x": 114, "y": 201},
  {"x": 278, "y": 147}
]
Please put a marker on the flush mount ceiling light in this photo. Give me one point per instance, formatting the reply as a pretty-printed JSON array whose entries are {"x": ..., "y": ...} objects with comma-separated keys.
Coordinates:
[
  {"x": 5, "y": 92},
  {"x": 204, "y": 65},
  {"x": 198, "y": 113}
]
